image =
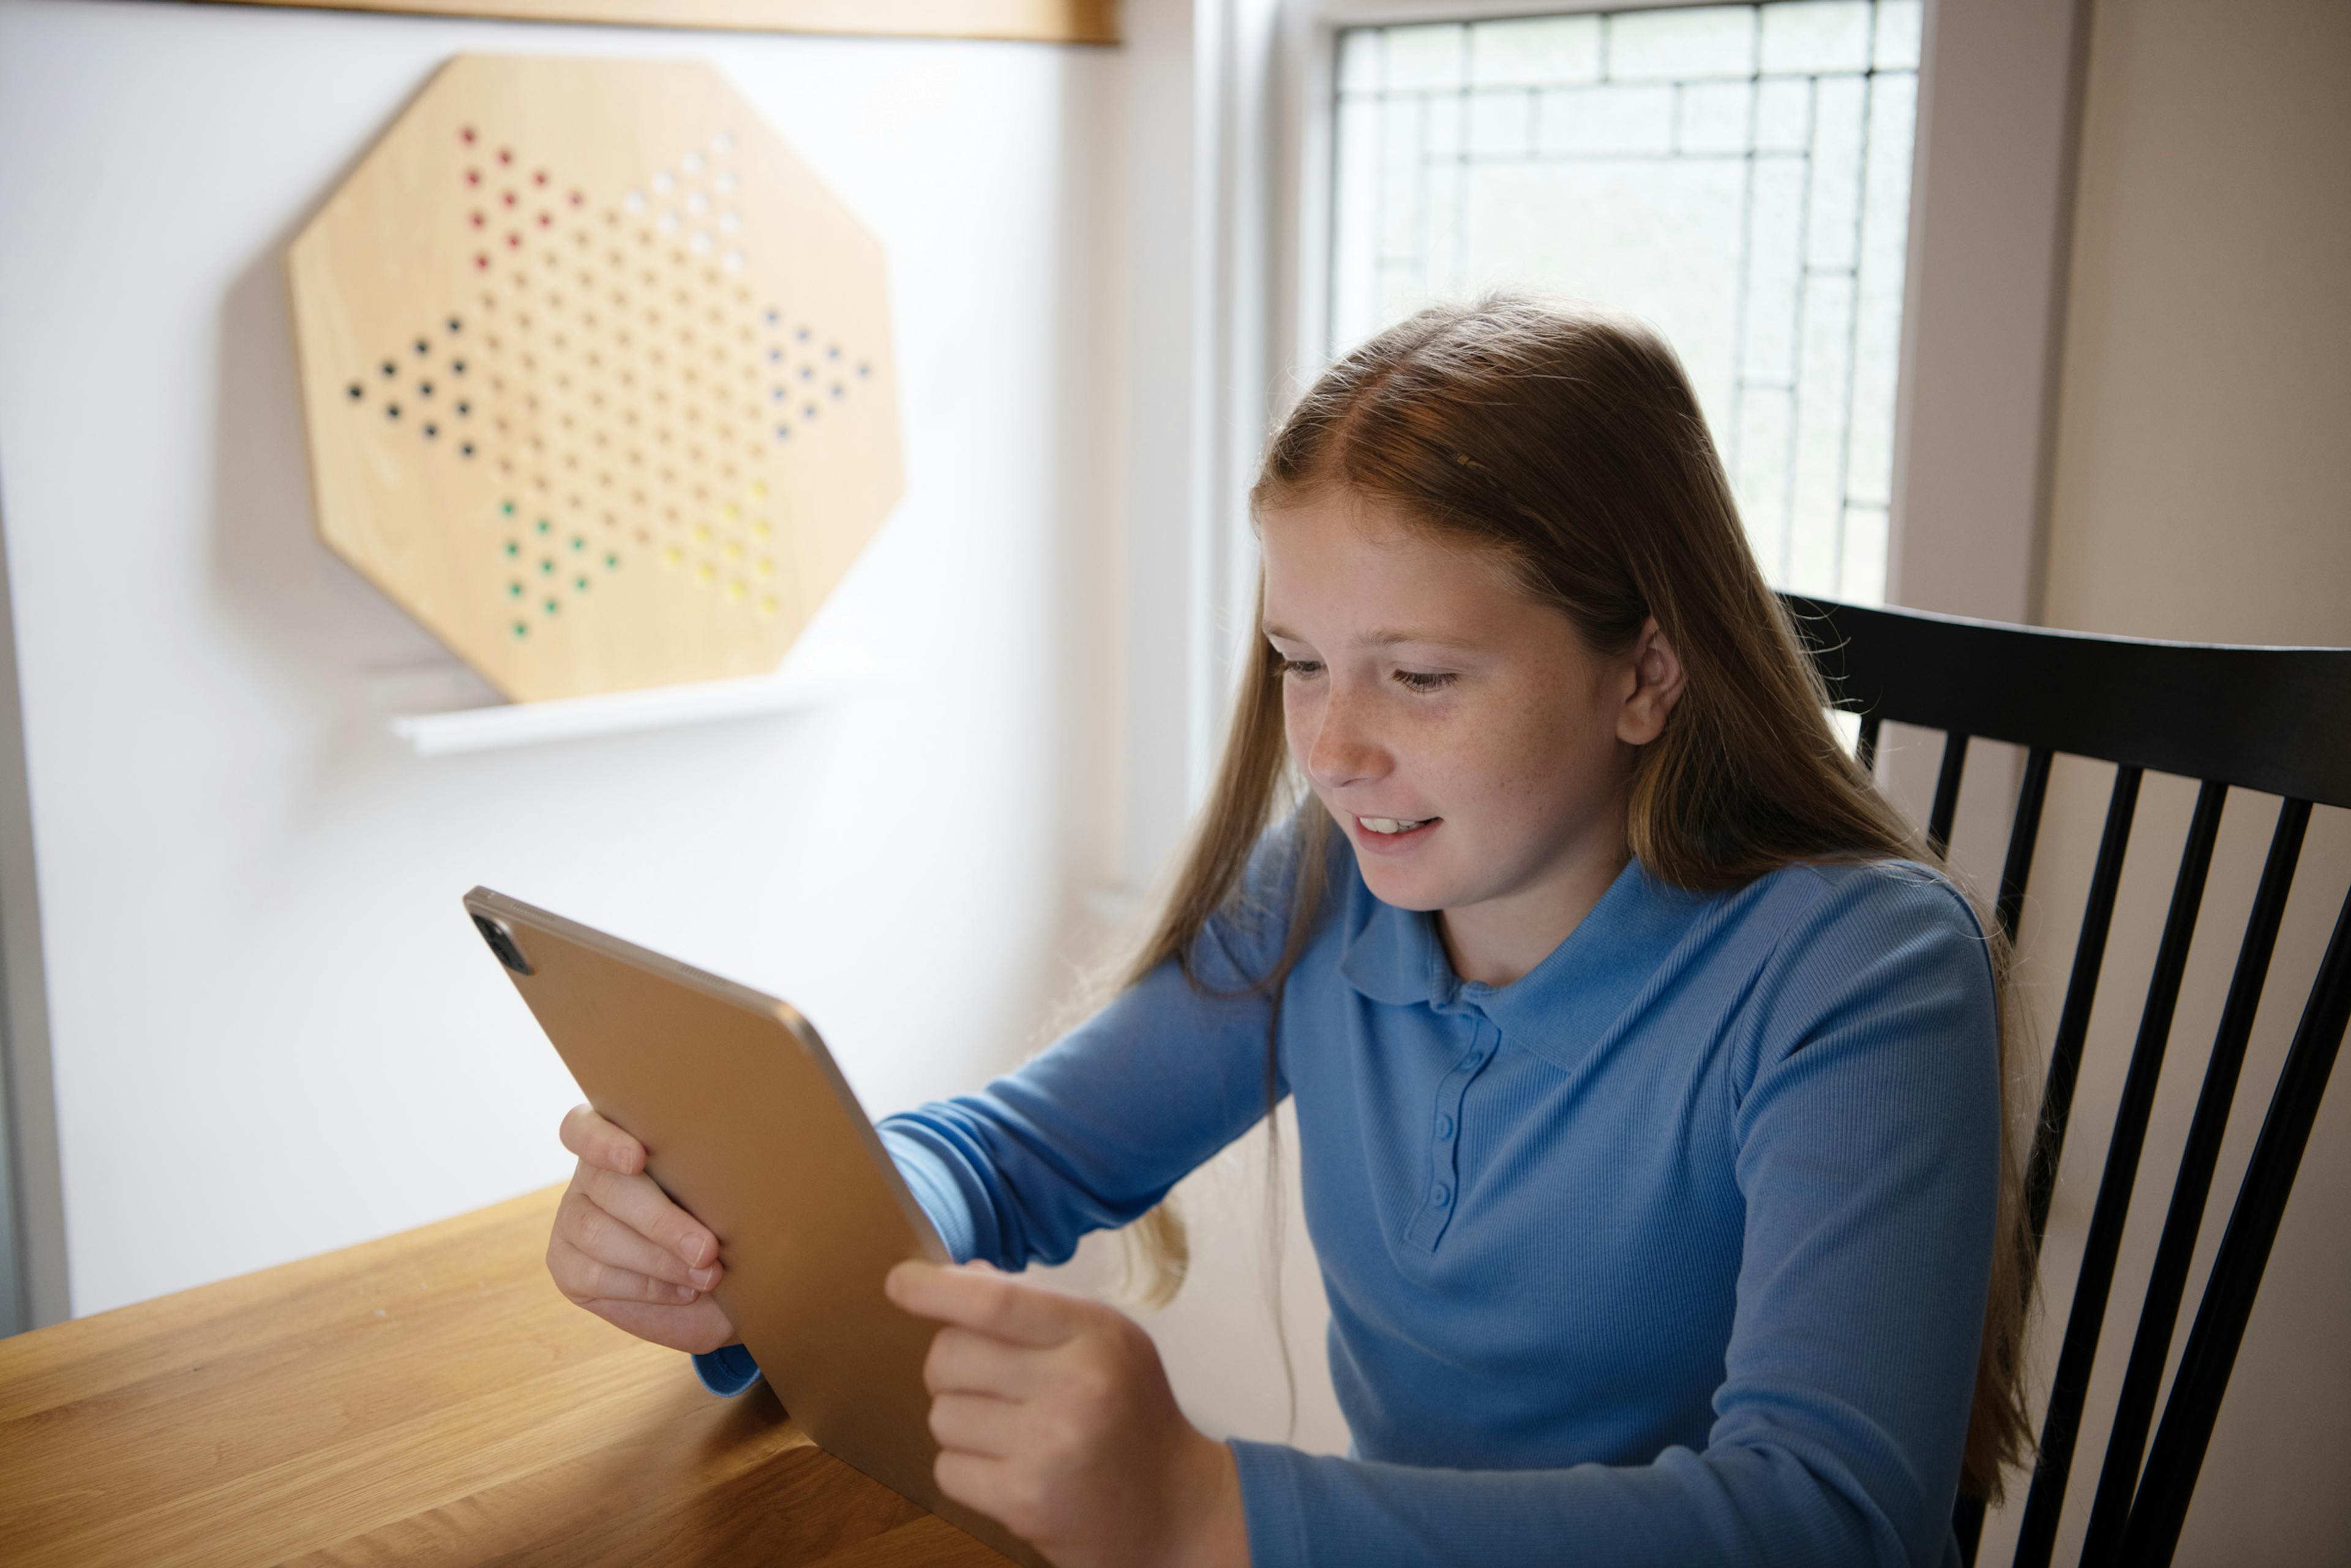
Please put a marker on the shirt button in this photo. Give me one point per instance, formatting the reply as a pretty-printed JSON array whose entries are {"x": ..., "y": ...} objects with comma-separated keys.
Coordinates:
[
  {"x": 1444, "y": 1128},
  {"x": 1441, "y": 1197},
  {"x": 1476, "y": 1060}
]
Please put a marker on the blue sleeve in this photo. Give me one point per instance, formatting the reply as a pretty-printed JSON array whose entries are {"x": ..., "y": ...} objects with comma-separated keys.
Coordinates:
[
  {"x": 1095, "y": 1129},
  {"x": 1866, "y": 1134},
  {"x": 728, "y": 1370}
]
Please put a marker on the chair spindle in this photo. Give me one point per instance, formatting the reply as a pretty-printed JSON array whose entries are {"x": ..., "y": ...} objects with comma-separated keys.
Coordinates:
[
  {"x": 2081, "y": 990},
  {"x": 1967, "y": 1525},
  {"x": 2134, "y": 1412},
  {"x": 2022, "y": 836},
  {"x": 2062, "y": 1424},
  {"x": 2220, "y": 1327},
  {"x": 1946, "y": 794},
  {"x": 1968, "y": 1516}
]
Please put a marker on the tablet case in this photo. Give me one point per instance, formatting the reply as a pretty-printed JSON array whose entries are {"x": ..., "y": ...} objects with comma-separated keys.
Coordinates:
[{"x": 748, "y": 1125}]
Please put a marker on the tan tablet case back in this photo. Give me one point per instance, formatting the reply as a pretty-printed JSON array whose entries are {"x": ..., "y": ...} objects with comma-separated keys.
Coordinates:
[{"x": 748, "y": 1125}]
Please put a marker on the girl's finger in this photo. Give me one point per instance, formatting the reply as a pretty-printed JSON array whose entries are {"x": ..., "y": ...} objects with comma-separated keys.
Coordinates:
[
  {"x": 990, "y": 1302},
  {"x": 965, "y": 1361},
  {"x": 977, "y": 1482},
  {"x": 698, "y": 1327},
  {"x": 637, "y": 1202},
  {"x": 600, "y": 1143},
  {"x": 975, "y": 1424},
  {"x": 592, "y": 1228},
  {"x": 585, "y": 1279}
]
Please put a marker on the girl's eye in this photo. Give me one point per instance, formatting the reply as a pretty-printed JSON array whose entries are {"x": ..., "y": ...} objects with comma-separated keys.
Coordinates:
[
  {"x": 1414, "y": 680},
  {"x": 1301, "y": 667}
]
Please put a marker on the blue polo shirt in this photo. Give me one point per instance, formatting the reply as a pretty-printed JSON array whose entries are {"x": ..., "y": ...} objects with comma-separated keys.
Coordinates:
[{"x": 1675, "y": 1250}]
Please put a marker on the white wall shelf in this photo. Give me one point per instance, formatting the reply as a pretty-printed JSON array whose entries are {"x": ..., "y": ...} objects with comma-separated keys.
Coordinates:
[{"x": 430, "y": 724}]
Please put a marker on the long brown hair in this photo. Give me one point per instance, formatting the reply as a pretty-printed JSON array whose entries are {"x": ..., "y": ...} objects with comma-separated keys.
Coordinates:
[{"x": 1566, "y": 442}]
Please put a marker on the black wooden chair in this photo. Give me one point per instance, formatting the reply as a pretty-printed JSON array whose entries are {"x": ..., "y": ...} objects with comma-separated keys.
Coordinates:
[{"x": 2273, "y": 720}]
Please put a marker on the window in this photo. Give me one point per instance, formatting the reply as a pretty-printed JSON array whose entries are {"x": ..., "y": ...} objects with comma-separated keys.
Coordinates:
[{"x": 1739, "y": 176}]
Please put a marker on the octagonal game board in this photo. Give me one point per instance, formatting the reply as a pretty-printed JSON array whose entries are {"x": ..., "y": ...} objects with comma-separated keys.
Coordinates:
[{"x": 596, "y": 375}]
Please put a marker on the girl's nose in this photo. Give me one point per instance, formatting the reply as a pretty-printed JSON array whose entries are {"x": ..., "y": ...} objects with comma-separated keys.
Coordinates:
[{"x": 1344, "y": 750}]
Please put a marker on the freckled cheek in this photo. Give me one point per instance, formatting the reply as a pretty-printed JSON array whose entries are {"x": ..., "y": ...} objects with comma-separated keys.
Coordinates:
[
  {"x": 1569, "y": 773},
  {"x": 1294, "y": 727},
  {"x": 1438, "y": 763},
  {"x": 1519, "y": 775}
]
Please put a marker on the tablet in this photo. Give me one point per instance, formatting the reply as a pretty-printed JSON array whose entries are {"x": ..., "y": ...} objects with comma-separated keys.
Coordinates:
[{"x": 749, "y": 1126}]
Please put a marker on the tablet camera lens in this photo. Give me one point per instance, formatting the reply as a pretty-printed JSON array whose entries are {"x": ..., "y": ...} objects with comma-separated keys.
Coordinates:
[{"x": 502, "y": 943}]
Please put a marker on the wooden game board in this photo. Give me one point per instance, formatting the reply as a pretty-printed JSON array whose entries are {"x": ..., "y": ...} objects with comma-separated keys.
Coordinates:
[{"x": 596, "y": 375}]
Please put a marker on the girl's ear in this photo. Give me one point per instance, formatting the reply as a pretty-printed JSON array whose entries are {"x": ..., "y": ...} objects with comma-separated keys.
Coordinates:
[{"x": 1658, "y": 681}]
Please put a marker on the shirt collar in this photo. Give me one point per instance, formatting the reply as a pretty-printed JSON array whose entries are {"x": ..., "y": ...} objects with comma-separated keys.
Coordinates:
[{"x": 1559, "y": 1008}]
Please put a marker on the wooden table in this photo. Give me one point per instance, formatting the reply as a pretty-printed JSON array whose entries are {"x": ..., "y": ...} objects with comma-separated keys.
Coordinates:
[{"x": 429, "y": 1397}]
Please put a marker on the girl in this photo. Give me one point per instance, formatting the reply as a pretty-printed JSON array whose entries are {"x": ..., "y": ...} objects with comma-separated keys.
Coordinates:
[{"x": 1650, "y": 1102}]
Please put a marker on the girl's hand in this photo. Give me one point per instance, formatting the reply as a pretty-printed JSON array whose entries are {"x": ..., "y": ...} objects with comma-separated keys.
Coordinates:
[
  {"x": 1054, "y": 1417},
  {"x": 624, "y": 1251}
]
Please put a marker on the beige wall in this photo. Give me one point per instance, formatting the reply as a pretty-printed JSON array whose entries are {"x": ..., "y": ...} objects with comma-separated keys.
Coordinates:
[{"x": 2200, "y": 491}]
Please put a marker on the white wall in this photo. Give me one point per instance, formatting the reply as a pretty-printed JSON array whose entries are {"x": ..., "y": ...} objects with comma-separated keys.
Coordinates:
[{"x": 270, "y": 1029}]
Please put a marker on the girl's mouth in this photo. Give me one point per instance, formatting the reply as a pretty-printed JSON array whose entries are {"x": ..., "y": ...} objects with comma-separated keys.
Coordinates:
[{"x": 1392, "y": 836}]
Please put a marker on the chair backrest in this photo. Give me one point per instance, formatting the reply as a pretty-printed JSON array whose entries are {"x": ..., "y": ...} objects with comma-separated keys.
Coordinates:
[{"x": 2273, "y": 720}]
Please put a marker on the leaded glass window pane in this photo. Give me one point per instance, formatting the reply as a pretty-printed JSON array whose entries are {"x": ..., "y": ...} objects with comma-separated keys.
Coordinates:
[{"x": 1739, "y": 176}]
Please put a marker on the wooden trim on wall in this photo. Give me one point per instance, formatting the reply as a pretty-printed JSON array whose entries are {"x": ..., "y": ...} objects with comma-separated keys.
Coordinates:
[{"x": 1026, "y": 21}]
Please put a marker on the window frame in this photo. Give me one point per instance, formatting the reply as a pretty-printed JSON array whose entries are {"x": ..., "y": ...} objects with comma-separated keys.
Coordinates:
[{"x": 1992, "y": 212}]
